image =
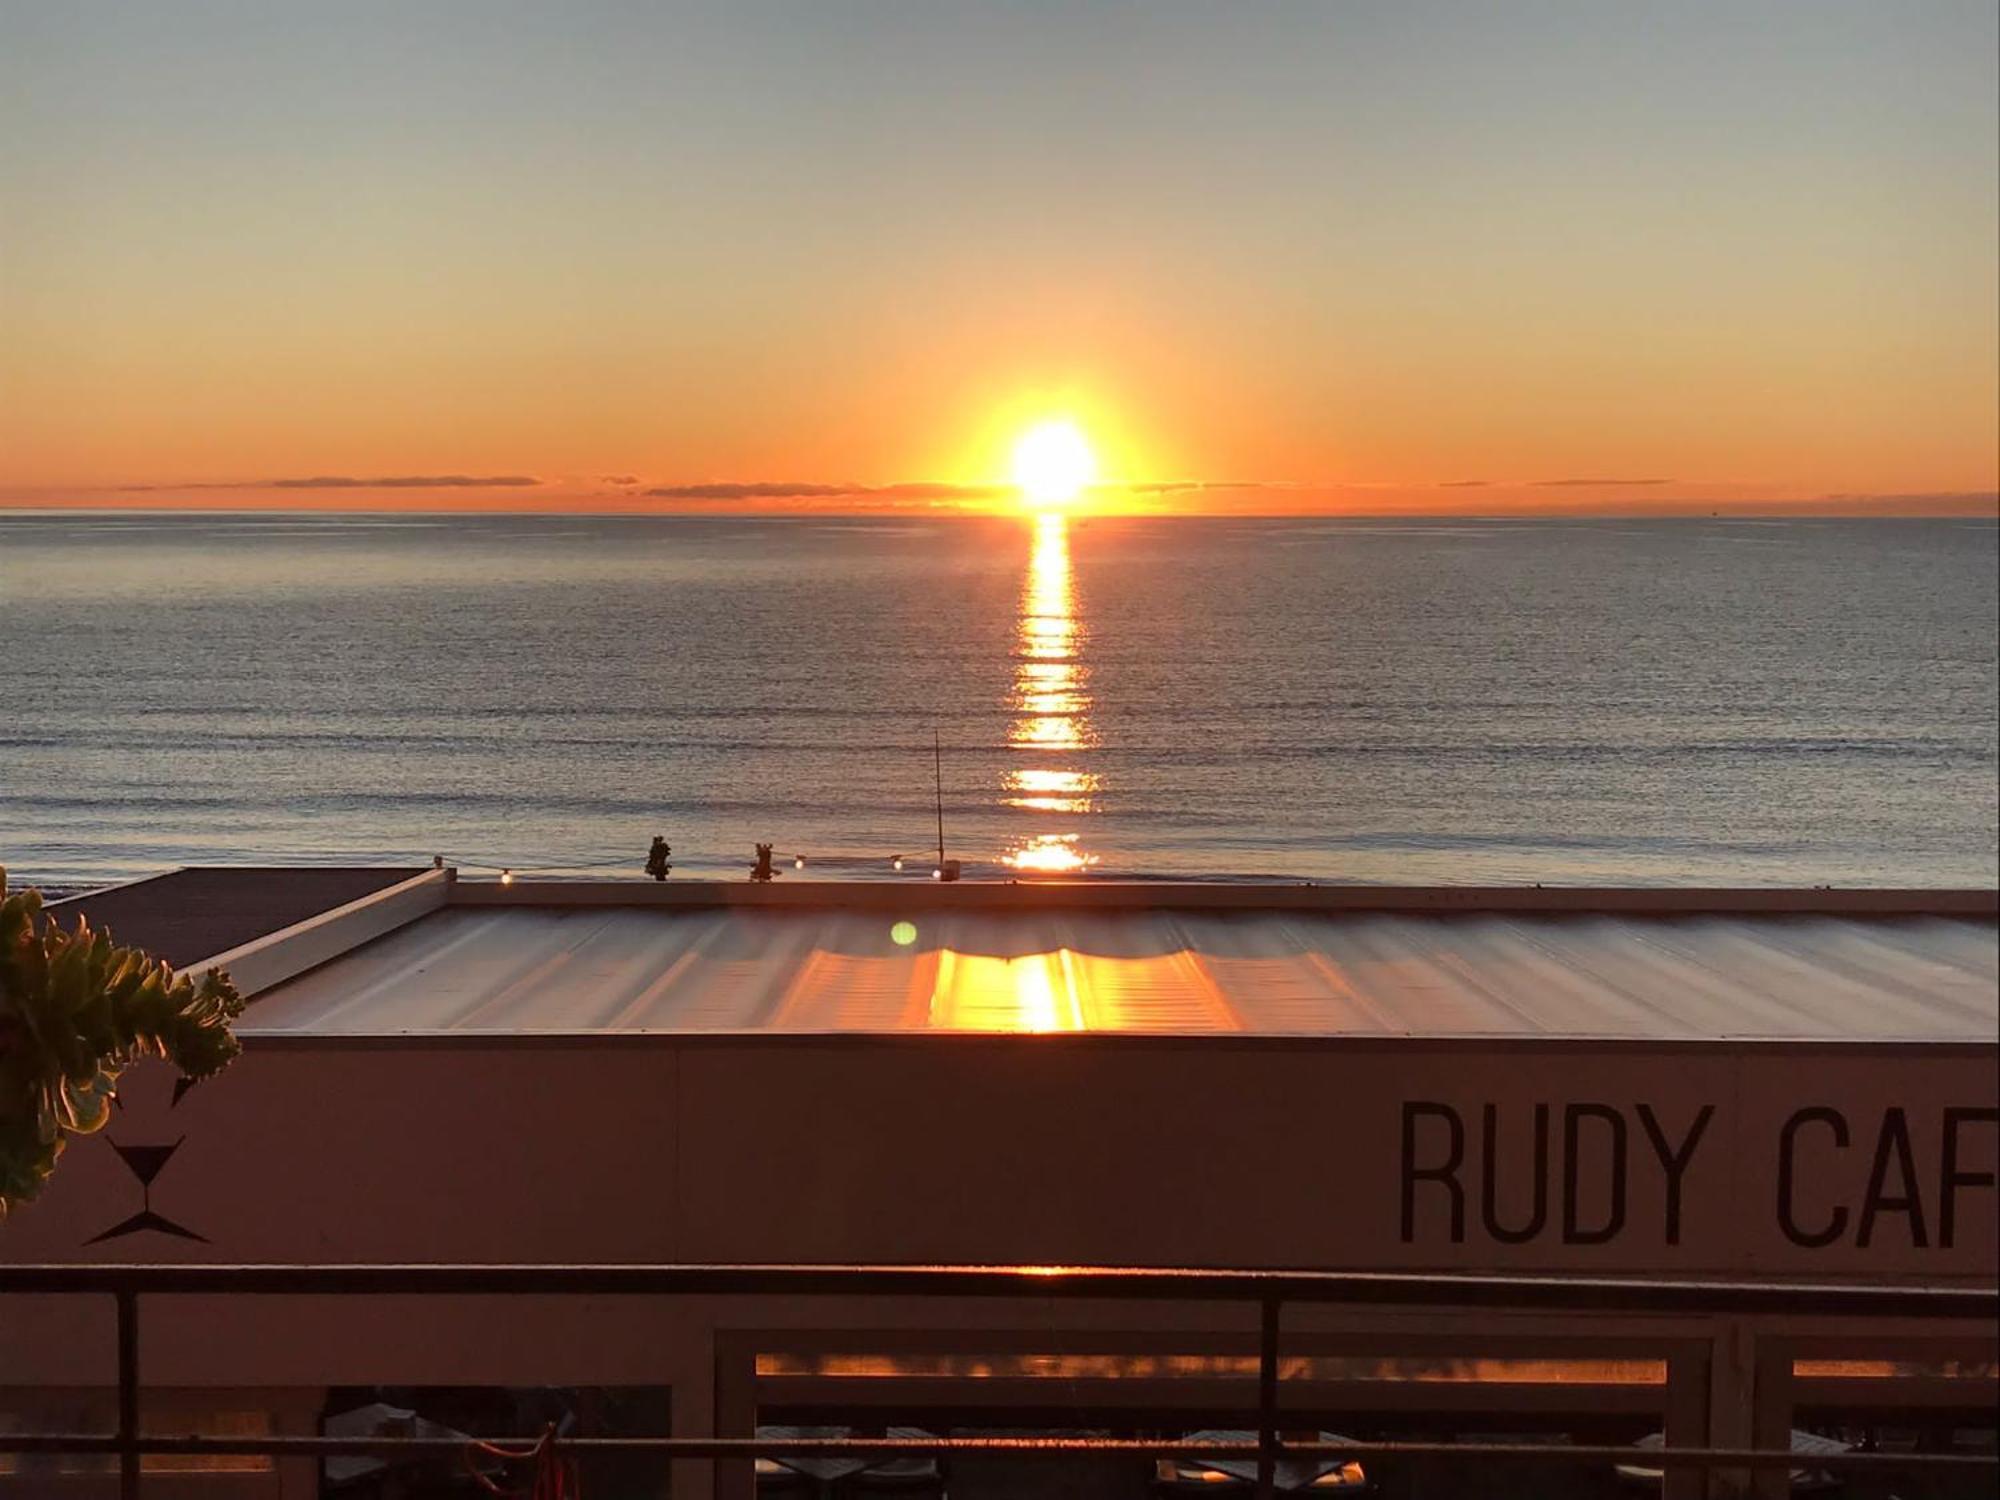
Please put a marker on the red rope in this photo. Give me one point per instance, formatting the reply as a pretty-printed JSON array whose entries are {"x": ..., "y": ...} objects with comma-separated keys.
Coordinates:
[{"x": 554, "y": 1477}]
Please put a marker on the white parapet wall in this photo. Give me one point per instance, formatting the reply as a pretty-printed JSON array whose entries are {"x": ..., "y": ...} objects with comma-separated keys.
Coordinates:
[{"x": 270, "y": 960}]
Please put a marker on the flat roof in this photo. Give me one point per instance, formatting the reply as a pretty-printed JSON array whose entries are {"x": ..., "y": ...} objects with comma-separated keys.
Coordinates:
[
  {"x": 536, "y": 962},
  {"x": 188, "y": 915}
]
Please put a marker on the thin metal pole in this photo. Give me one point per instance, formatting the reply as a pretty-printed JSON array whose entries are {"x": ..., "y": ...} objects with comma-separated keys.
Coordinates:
[
  {"x": 937, "y": 771},
  {"x": 128, "y": 1395},
  {"x": 1267, "y": 1401}
]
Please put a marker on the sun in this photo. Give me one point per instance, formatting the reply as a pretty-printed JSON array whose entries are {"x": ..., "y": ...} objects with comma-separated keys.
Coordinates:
[{"x": 1053, "y": 463}]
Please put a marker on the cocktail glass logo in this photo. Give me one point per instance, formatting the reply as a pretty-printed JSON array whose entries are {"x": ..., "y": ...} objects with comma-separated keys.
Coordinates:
[{"x": 146, "y": 1163}]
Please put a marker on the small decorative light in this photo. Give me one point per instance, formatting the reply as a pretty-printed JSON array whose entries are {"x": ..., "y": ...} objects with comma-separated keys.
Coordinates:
[
  {"x": 903, "y": 934},
  {"x": 898, "y": 861},
  {"x": 799, "y": 863},
  {"x": 937, "y": 874},
  {"x": 506, "y": 877}
]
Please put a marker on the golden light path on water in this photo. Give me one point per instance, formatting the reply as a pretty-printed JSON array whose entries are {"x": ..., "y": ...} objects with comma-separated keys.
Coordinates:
[{"x": 1051, "y": 707}]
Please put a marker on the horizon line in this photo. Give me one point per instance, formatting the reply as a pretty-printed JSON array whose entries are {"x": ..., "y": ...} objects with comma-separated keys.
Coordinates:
[
  {"x": 1889, "y": 507},
  {"x": 519, "y": 492}
]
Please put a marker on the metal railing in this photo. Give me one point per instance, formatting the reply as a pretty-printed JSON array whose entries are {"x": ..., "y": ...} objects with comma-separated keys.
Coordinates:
[{"x": 1269, "y": 1291}]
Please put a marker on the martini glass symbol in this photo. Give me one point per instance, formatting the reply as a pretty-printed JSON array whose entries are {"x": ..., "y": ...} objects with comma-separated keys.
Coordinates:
[{"x": 146, "y": 1163}]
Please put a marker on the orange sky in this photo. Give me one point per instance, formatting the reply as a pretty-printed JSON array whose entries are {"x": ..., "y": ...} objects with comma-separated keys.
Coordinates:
[{"x": 1376, "y": 259}]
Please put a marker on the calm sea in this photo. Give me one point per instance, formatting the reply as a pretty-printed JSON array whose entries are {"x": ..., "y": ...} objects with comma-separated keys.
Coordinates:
[{"x": 1662, "y": 702}]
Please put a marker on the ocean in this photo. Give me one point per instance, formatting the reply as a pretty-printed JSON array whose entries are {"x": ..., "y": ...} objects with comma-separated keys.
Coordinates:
[{"x": 1657, "y": 702}]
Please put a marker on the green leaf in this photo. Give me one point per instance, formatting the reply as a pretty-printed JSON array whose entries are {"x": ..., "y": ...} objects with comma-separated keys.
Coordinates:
[{"x": 75, "y": 1010}]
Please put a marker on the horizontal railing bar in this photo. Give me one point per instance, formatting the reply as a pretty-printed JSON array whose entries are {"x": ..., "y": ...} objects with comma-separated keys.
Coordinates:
[
  {"x": 1525, "y": 1293},
  {"x": 1049, "y": 1447}
]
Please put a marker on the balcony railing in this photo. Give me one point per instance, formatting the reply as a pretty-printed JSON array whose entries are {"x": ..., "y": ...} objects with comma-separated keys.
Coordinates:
[{"x": 1957, "y": 1308}]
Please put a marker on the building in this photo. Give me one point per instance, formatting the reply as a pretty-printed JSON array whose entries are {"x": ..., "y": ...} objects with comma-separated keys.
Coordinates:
[{"x": 1747, "y": 1086}]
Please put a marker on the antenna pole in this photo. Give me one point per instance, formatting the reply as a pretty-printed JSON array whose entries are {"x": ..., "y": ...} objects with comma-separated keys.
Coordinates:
[{"x": 937, "y": 767}]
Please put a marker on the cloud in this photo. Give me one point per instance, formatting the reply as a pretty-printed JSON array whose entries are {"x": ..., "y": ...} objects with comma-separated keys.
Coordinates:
[
  {"x": 409, "y": 482},
  {"x": 782, "y": 489},
  {"x": 757, "y": 489},
  {"x": 1469, "y": 484},
  {"x": 1182, "y": 486},
  {"x": 352, "y": 482},
  {"x": 779, "y": 489},
  {"x": 1557, "y": 484}
]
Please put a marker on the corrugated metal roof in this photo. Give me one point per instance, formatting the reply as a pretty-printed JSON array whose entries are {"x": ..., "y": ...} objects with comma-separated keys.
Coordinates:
[{"x": 612, "y": 969}]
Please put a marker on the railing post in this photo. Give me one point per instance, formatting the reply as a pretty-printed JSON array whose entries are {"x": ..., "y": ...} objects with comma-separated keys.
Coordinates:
[
  {"x": 1687, "y": 1420},
  {"x": 128, "y": 1395},
  {"x": 1771, "y": 1409},
  {"x": 1267, "y": 1401},
  {"x": 734, "y": 1414}
]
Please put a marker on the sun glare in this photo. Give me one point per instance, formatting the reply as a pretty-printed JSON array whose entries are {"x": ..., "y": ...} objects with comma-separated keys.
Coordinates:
[{"x": 1053, "y": 463}]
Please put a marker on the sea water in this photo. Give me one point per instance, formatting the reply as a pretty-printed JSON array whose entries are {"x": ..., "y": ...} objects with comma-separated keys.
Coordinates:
[{"x": 1672, "y": 701}]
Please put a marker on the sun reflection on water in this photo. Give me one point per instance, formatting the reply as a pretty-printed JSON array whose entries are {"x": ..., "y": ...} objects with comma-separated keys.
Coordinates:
[
  {"x": 1051, "y": 791},
  {"x": 1051, "y": 706},
  {"x": 1050, "y": 854}
]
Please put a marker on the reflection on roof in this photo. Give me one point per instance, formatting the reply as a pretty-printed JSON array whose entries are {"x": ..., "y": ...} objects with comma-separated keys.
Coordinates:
[{"x": 484, "y": 969}]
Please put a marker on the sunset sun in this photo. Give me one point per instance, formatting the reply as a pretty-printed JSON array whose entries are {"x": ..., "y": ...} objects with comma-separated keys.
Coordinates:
[{"x": 1053, "y": 463}]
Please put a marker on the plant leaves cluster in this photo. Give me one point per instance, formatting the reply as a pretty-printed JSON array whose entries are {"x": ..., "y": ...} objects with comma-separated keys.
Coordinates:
[{"x": 75, "y": 1011}]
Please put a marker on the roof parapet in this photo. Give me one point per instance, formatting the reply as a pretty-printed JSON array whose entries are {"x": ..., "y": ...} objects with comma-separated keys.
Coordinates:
[
  {"x": 1104, "y": 895},
  {"x": 267, "y": 961}
]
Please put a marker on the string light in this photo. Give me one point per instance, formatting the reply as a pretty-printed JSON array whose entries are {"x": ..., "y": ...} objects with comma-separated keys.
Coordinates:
[
  {"x": 561, "y": 866},
  {"x": 899, "y": 863}
]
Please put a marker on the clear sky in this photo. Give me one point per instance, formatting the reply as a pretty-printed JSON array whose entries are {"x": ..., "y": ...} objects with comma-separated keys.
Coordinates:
[{"x": 1346, "y": 256}]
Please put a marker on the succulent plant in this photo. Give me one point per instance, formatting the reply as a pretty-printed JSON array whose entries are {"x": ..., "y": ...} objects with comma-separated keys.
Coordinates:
[{"x": 76, "y": 1010}]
